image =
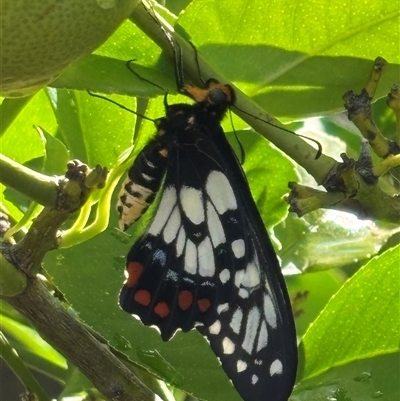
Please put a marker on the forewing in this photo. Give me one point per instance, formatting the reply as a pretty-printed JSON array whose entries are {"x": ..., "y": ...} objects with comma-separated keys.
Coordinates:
[
  {"x": 206, "y": 261},
  {"x": 183, "y": 265}
]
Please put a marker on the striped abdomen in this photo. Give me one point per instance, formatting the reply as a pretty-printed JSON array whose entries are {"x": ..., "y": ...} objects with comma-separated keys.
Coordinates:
[{"x": 140, "y": 187}]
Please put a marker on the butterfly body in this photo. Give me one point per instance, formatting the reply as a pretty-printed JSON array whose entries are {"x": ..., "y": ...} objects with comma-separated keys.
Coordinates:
[{"x": 206, "y": 260}]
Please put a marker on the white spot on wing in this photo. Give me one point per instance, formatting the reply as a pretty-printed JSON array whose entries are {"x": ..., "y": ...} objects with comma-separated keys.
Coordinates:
[
  {"x": 248, "y": 277},
  {"x": 172, "y": 227},
  {"x": 149, "y": 163},
  {"x": 236, "y": 320},
  {"x": 220, "y": 192},
  {"x": 167, "y": 203},
  {"x": 241, "y": 366},
  {"x": 269, "y": 311},
  {"x": 147, "y": 177},
  {"x": 206, "y": 258},
  {"x": 215, "y": 328},
  {"x": 276, "y": 368},
  {"x": 251, "y": 278},
  {"x": 192, "y": 204},
  {"x": 262, "y": 337},
  {"x": 252, "y": 323},
  {"x": 228, "y": 346},
  {"x": 214, "y": 226},
  {"x": 239, "y": 277},
  {"x": 190, "y": 258},
  {"x": 243, "y": 293},
  {"x": 180, "y": 243},
  {"x": 222, "y": 308},
  {"x": 238, "y": 248},
  {"x": 224, "y": 276},
  {"x": 254, "y": 379}
]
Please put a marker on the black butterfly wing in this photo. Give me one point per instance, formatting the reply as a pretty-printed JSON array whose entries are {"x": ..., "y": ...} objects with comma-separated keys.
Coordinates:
[
  {"x": 179, "y": 269},
  {"x": 207, "y": 260},
  {"x": 254, "y": 335}
]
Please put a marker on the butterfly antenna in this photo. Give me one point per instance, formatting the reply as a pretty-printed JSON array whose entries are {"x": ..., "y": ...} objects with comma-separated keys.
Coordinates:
[
  {"x": 196, "y": 57},
  {"x": 242, "y": 153},
  {"x": 177, "y": 52},
  {"x": 120, "y": 105},
  {"x": 319, "y": 151},
  {"x": 128, "y": 64}
]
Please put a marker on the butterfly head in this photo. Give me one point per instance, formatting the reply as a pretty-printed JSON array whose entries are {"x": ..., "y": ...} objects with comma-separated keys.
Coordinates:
[{"x": 213, "y": 96}]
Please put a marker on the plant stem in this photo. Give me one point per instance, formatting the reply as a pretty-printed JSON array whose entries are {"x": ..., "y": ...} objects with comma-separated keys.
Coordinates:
[
  {"x": 110, "y": 376},
  {"x": 38, "y": 187}
]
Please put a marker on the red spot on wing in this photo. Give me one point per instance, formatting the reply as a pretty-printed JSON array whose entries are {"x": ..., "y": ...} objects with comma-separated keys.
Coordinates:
[
  {"x": 142, "y": 297},
  {"x": 203, "y": 304},
  {"x": 135, "y": 270},
  {"x": 161, "y": 309},
  {"x": 185, "y": 299}
]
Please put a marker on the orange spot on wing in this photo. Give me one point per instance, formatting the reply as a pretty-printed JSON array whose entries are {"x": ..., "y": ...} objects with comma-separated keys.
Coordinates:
[
  {"x": 185, "y": 299},
  {"x": 143, "y": 297},
  {"x": 203, "y": 304},
  {"x": 135, "y": 270},
  {"x": 161, "y": 309}
]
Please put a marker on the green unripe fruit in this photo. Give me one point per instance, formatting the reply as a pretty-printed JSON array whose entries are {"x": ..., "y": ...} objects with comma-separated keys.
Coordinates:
[{"x": 41, "y": 38}]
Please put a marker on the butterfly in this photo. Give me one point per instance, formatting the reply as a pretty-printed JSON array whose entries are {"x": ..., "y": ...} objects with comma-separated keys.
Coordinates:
[{"x": 205, "y": 261}]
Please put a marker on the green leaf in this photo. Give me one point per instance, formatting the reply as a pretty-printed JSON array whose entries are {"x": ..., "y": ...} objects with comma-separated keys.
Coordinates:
[
  {"x": 110, "y": 75},
  {"x": 365, "y": 380},
  {"x": 106, "y": 70},
  {"x": 361, "y": 321},
  {"x": 94, "y": 130},
  {"x": 12, "y": 281},
  {"x": 327, "y": 239},
  {"x": 21, "y": 142},
  {"x": 32, "y": 349},
  {"x": 268, "y": 171},
  {"x": 292, "y": 73},
  {"x": 12, "y": 359},
  {"x": 316, "y": 289},
  {"x": 76, "y": 384},
  {"x": 56, "y": 156},
  {"x": 7, "y": 205},
  {"x": 9, "y": 110},
  {"x": 296, "y": 59}
]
